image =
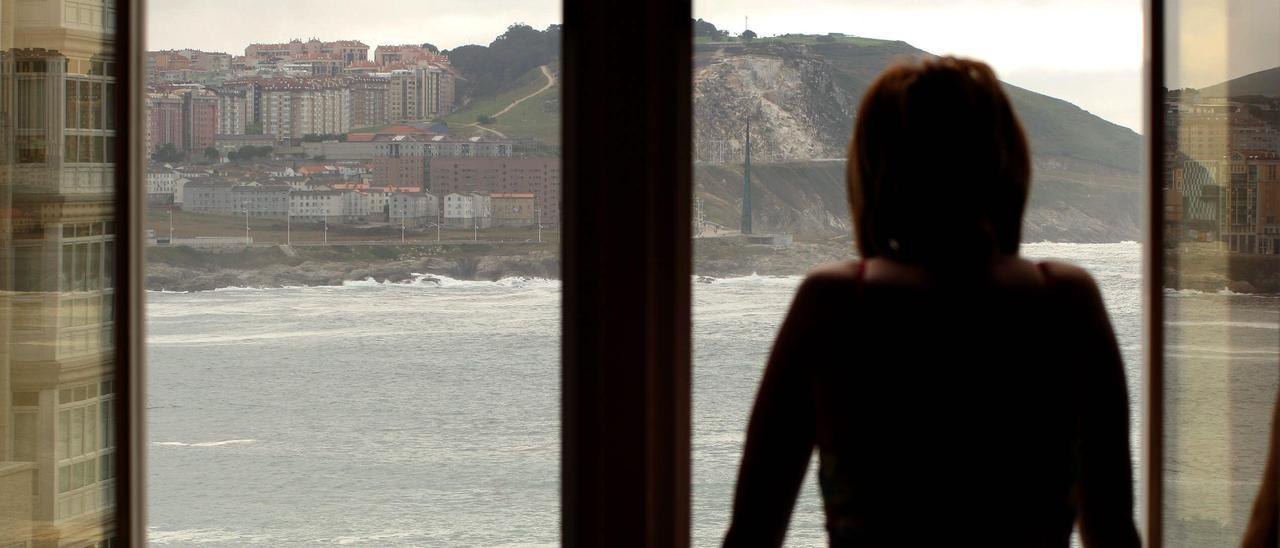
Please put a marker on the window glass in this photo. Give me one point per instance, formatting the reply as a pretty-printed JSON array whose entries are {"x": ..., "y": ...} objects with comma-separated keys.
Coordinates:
[
  {"x": 774, "y": 101},
  {"x": 51, "y": 291},
  {"x": 1221, "y": 199},
  {"x": 317, "y": 322}
]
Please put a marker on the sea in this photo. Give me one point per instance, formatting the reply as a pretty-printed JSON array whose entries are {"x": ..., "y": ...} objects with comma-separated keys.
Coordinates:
[{"x": 426, "y": 413}]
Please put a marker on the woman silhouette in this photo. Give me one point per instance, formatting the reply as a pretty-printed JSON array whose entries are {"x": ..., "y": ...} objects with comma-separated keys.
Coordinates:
[{"x": 957, "y": 394}]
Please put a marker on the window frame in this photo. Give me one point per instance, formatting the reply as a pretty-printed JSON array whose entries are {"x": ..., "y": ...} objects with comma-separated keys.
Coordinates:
[
  {"x": 1151, "y": 489},
  {"x": 626, "y": 326},
  {"x": 626, "y": 316}
]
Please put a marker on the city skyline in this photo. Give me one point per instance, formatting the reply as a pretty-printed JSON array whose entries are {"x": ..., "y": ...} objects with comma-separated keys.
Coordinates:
[{"x": 1102, "y": 75}]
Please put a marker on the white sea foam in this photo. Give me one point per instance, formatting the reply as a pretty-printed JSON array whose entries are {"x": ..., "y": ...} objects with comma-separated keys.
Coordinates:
[
  {"x": 198, "y": 536},
  {"x": 203, "y": 443},
  {"x": 1246, "y": 325}
]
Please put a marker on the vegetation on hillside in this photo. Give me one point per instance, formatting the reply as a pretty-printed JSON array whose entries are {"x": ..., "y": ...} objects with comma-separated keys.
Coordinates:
[{"x": 489, "y": 70}]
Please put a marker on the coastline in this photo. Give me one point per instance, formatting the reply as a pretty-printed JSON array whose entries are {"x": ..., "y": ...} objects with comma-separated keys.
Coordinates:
[{"x": 1194, "y": 266}]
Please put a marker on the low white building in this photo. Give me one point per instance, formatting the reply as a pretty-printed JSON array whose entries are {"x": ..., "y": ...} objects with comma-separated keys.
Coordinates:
[
  {"x": 417, "y": 208},
  {"x": 316, "y": 205},
  {"x": 166, "y": 182},
  {"x": 468, "y": 209}
]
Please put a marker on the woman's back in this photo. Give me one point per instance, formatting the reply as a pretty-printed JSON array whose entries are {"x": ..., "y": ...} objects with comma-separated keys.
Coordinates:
[{"x": 942, "y": 412}]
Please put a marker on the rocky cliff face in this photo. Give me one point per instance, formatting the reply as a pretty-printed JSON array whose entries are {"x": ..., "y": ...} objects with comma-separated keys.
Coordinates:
[
  {"x": 800, "y": 101},
  {"x": 794, "y": 107}
]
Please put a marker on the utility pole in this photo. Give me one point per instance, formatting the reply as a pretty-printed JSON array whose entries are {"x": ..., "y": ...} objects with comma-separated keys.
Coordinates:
[
  {"x": 247, "y": 241},
  {"x": 439, "y": 206},
  {"x": 288, "y": 226},
  {"x": 326, "y": 227},
  {"x": 170, "y": 224},
  {"x": 746, "y": 184},
  {"x": 701, "y": 225},
  {"x": 539, "y": 210},
  {"x": 402, "y": 225}
]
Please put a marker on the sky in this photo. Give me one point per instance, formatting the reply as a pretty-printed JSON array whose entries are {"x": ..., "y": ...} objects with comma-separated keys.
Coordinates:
[{"x": 1088, "y": 52}]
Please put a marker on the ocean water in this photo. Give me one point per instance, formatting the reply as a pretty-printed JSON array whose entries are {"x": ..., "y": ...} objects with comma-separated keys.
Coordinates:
[{"x": 426, "y": 413}]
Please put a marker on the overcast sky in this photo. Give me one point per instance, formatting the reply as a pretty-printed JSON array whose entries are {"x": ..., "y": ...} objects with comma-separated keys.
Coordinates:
[{"x": 1088, "y": 52}]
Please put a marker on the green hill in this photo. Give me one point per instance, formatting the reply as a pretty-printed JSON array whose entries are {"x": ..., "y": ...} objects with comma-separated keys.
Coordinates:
[{"x": 534, "y": 120}]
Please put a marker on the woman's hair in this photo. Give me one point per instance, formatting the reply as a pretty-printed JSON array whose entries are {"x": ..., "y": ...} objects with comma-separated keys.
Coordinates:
[{"x": 938, "y": 168}]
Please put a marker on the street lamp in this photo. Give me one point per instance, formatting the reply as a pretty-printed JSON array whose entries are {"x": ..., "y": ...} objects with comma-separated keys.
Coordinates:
[
  {"x": 439, "y": 207},
  {"x": 326, "y": 227},
  {"x": 247, "y": 241},
  {"x": 539, "y": 212},
  {"x": 171, "y": 224},
  {"x": 288, "y": 223},
  {"x": 402, "y": 225}
]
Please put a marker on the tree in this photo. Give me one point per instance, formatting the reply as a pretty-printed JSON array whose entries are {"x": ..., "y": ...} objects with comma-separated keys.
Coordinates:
[
  {"x": 431, "y": 48},
  {"x": 748, "y": 35},
  {"x": 484, "y": 119},
  {"x": 166, "y": 153},
  {"x": 212, "y": 154},
  {"x": 705, "y": 28}
]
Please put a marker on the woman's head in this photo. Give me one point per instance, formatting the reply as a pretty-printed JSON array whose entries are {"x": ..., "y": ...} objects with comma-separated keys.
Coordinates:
[{"x": 938, "y": 168}]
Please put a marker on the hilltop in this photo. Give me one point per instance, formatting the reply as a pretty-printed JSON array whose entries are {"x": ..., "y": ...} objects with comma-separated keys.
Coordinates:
[{"x": 1265, "y": 83}]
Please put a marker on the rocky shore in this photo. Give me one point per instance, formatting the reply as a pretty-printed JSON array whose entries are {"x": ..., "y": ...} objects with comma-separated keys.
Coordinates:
[{"x": 1193, "y": 266}]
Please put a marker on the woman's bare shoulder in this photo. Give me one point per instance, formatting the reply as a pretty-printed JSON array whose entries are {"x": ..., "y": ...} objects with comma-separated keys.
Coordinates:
[{"x": 1070, "y": 276}]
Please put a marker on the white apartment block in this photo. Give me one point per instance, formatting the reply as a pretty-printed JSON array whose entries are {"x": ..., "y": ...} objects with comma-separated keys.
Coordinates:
[
  {"x": 413, "y": 206},
  {"x": 468, "y": 209},
  {"x": 316, "y": 205}
]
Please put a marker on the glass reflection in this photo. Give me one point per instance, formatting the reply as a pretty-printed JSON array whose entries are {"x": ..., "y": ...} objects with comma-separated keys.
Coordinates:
[
  {"x": 1222, "y": 263},
  {"x": 57, "y": 128}
]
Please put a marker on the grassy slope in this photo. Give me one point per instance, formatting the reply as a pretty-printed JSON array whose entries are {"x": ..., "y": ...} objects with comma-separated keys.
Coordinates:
[{"x": 536, "y": 119}]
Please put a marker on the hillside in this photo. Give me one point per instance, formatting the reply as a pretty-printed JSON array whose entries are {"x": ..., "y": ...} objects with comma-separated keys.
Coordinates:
[
  {"x": 800, "y": 93},
  {"x": 1265, "y": 83},
  {"x": 808, "y": 199},
  {"x": 534, "y": 118}
]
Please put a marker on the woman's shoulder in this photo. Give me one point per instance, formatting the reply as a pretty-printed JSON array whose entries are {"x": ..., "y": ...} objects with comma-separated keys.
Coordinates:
[{"x": 1071, "y": 277}]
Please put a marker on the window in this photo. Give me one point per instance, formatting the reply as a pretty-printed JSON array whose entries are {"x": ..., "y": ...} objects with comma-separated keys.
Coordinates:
[
  {"x": 1217, "y": 365},
  {"x": 57, "y": 434},
  {"x": 413, "y": 385},
  {"x": 626, "y": 432}
]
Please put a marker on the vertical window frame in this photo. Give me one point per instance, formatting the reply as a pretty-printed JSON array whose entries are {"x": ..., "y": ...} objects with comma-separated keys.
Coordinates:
[
  {"x": 626, "y": 252},
  {"x": 1151, "y": 490}
]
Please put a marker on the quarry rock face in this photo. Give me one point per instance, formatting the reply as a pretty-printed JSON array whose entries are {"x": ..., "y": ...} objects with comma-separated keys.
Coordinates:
[{"x": 801, "y": 100}]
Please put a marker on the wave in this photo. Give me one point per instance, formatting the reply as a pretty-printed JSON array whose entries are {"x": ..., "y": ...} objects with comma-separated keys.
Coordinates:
[
  {"x": 203, "y": 443},
  {"x": 1196, "y": 292},
  {"x": 199, "y": 536},
  {"x": 236, "y": 338},
  {"x": 1246, "y": 325},
  {"x": 437, "y": 280},
  {"x": 753, "y": 279}
]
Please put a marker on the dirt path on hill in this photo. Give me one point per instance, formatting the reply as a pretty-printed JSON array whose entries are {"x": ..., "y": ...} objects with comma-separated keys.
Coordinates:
[{"x": 551, "y": 81}]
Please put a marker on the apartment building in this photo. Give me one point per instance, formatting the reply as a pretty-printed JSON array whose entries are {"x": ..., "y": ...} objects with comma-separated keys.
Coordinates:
[
  {"x": 407, "y": 54},
  {"x": 199, "y": 119},
  {"x": 294, "y": 107},
  {"x": 539, "y": 176},
  {"x": 422, "y": 92},
  {"x": 164, "y": 120},
  {"x": 348, "y": 51},
  {"x": 233, "y": 110},
  {"x": 315, "y": 205},
  {"x": 369, "y": 96},
  {"x": 416, "y": 208},
  {"x": 468, "y": 210}
]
